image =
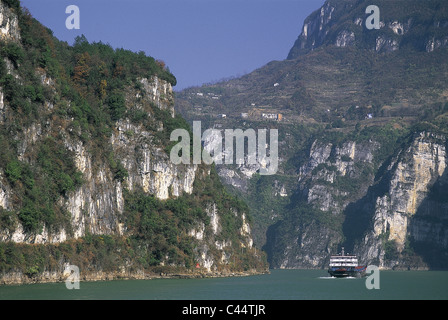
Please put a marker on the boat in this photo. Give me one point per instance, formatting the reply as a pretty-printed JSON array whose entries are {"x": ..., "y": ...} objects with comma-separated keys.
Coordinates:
[{"x": 342, "y": 266}]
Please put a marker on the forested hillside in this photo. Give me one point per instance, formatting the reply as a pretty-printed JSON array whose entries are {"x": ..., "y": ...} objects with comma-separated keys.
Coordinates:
[{"x": 85, "y": 174}]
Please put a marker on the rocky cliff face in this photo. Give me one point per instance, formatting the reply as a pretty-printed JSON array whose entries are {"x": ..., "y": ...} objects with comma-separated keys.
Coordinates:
[
  {"x": 387, "y": 215},
  {"x": 333, "y": 176},
  {"x": 328, "y": 164},
  {"x": 391, "y": 210},
  {"x": 412, "y": 212},
  {"x": 133, "y": 158},
  {"x": 96, "y": 207},
  {"x": 9, "y": 24},
  {"x": 342, "y": 24}
]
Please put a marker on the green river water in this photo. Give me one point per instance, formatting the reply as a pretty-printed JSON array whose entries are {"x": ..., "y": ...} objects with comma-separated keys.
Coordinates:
[{"x": 278, "y": 285}]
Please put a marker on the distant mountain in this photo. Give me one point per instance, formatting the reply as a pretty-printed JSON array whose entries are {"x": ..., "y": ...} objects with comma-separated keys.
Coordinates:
[
  {"x": 362, "y": 137},
  {"x": 404, "y": 24},
  {"x": 337, "y": 64}
]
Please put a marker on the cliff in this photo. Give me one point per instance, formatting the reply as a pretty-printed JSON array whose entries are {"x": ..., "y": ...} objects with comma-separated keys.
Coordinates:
[
  {"x": 85, "y": 173},
  {"x": 403, "y": 25},
  {"x": 9, "y": 24},
  {"x": 409, "y": 218},
  {"x": 387, "y": 210}
]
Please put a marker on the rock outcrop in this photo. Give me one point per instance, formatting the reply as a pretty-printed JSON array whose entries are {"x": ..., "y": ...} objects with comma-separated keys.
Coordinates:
[
  {"x": 412, "y": 211},
  {"x": 9, "y": 24}
]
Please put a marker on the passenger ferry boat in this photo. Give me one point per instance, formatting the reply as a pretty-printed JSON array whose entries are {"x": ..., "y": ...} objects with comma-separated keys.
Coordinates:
[{"x": 342, "y": 266}]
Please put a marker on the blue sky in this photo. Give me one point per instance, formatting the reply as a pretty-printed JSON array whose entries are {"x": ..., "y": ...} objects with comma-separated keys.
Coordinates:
[{"x": 201, "y": 41}]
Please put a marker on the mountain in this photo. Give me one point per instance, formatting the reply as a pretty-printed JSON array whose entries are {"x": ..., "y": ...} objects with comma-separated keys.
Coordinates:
[
  {"x": 362, "y": 116},
  {"x": 404, "y": 24},
  {"x": 85, "y": 173}
]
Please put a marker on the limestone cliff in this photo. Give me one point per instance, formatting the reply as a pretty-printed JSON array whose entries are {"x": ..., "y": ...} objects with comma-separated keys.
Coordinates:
[
  {"x": 412, "y": 211},
  {"x": 9, "y": 24},
  {"x": 332, "y": 177},
  {"x": 96, "y": 207},
  {"x": 86, "y": 159},
  {"x": 342, "y": 24},
  {"x": 389, "y": 214}
]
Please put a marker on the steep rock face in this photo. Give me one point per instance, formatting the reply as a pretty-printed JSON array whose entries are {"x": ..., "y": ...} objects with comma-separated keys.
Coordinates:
[
  {"x": 9, "y": 23},
  {"x": 389, "y": 216},
  {"x": 312, "y": 232},
  {"x": 320, "y": 176},
  {"x": 303, "y": 245},
  {"x": 96, "y": 207},
  {"x": 160, "y": 92},
  {"x": 9, "y": 32},
  {"x": 206, "y": 250},
  {"x": 314, "y": 30},
  {"x": 148, "y": 165},
  {"x": 408, "y": 210},
  {"x": 342, "y": 23}
]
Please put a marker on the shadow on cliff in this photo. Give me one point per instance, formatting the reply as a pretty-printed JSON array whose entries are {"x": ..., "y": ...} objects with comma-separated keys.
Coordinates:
[
  {"x": 359, "y": 214},
  {"x": 428, "y": 228},
  {"x": 277, "y": 234},
  {"x": 271, "y": 244}
]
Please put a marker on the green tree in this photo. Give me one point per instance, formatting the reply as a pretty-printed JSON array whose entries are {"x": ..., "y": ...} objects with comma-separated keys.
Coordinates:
[
  {"x": 13, "y": 52},
  {"x": 14, "y": 170},
  {"x": 116, "y": 103}
]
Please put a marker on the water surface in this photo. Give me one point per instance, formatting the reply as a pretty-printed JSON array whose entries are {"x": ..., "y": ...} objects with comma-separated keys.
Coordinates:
[{"x": 278, "y": 285}]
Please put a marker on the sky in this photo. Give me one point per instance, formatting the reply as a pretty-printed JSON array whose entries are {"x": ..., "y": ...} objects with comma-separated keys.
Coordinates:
[{"x": 201, "y": 41}]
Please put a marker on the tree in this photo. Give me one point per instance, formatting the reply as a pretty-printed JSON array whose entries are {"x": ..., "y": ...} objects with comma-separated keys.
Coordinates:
[
  {"x": 15, "y": 4},
  {"x": 103, "y": 86},
  {"x": 14, "y": 170},
  {"x": 116, "y": 103},
  {"x": 13, "y": 52},
  {"x": 82, "y": 69}
]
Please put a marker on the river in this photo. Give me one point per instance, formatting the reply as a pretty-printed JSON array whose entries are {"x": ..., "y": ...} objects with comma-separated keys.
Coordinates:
[{"x": 278, "y": 285}]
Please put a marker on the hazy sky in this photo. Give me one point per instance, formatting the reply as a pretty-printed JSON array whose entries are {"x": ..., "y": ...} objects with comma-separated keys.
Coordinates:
[{"x": 200, "y": 40}]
